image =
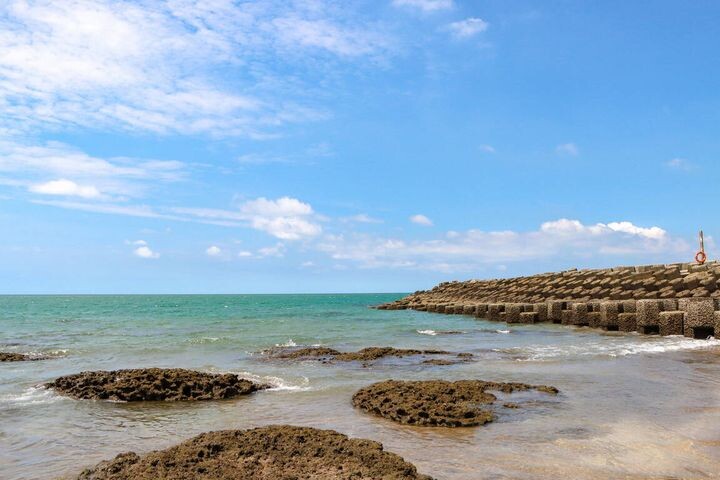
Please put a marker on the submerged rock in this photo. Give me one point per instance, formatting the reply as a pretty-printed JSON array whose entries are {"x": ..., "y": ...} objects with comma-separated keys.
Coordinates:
[
  {"x": 19, "y": 357},
  {"x": 267, "y": 453},
  {"x": 364, "y": 355},
  {"x": 436, "y": 403},
  {"x": 147, "y": 384},
  {"x": 305, "y": 353},
  {"x": 375, "y": 353}
]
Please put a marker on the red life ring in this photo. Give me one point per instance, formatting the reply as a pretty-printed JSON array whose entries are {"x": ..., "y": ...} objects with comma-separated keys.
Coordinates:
[{"x": 700, "y": 257}]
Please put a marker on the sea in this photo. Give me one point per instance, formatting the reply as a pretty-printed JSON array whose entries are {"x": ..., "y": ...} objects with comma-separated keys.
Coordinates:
[{"x": 630, "y": 406}]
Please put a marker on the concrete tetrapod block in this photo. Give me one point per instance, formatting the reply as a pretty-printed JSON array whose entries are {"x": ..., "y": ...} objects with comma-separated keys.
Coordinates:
[
  {"x": 567, "y": 317},
  {"x": 717, "y": 324},
  {"x": 648, "y": 316},
  {"x": 671, "y": 323},
  {"x": 513, "y": 311},
  {"x": 699, "y": 318},
  {"x": 528, "y": 317},
  {"x": 469, "y": 309},
  {"x": 580, "y": 311},
  {"x": 555, "y": 308},
  {"x": 542, "y": 312},
  {"x": 481, "y": 310},
  {"x": 494, "y": 311},
  {"x": 593, "y": 319},
  {"x": 627, "y": 322},
  {"x": 609, "y": 311}
]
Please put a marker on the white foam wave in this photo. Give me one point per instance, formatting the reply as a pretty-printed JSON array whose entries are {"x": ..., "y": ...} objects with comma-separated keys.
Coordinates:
[
  {"x": 203, "y": 340},
  {"x": 278, "y": 383},
  {"x": 289, "y": 343},
  {"x": 502, "y": 331},
  {"x": 660, "y": 345},
  {"x": 31, "y": 396},
  {"x": 427, "y": 332}
]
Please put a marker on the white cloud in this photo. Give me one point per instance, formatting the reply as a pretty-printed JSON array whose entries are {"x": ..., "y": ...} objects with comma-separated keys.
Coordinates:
[
  {"x": 420, "y": 219},
  {"x": 567, "y": 149},
  {"x": 468, "y": 28},
  {"x": 284, "y": 218},
  {"x": 46, "y": 168},
  {"x": 679, "y": 164},
  {"x": 277, "y": 250},
  {"x": 425, "y": 5},
  {"x": 66, "y": 188},
  {"x": 162, "y": 66},
  {"x": 213, "y": 251},
  {"x": 487, "y": 148},
  {"x": 362, "y": 218},
  {"x": 145, "y": 252},
  {"x": 473, "y": 249},
  {"x": 244, "y": 254}
]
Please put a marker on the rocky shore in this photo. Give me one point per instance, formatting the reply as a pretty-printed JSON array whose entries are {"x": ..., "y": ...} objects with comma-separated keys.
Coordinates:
[
  {"x": 437, "y": 403},
  {"x": 675, "y": 299},
  {"x": 267, "y": 453},
  {"x": 153, "y": 384}
]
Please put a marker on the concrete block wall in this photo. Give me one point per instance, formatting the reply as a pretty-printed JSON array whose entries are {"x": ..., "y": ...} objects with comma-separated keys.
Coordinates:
[{"x": 675, "y": 299}]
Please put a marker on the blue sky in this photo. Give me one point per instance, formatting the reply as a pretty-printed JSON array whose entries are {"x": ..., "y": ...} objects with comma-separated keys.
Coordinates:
[{"x": 320, "y": 146}]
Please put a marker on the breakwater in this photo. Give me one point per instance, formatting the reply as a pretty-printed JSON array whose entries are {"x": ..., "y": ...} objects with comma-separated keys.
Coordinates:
[{"x": 673, "y": 299}]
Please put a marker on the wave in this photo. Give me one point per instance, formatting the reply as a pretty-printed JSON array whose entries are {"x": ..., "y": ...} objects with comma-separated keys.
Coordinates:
[
  {"x": 35, "y": 395},
  {"x": 440, "y": 332},
  {"x": 205, "y": 340},
  {"x": 289, "y": 343},
  {"x": 278, "y": 383},
  {"x": 554, "y": 352}
]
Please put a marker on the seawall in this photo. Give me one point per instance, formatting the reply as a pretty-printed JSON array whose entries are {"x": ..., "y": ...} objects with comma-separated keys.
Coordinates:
[{"x": 673, "y": 299}]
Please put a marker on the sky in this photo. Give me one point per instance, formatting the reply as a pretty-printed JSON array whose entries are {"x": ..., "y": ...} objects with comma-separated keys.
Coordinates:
[{"x": 218, "y": 146}]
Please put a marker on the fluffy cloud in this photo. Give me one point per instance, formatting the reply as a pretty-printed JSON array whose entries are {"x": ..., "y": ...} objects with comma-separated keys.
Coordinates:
[
  {"x": 468, "y": 28},
  {"x": 143, "y": 251},
  {"x": 467, "y": 251},
  {"x": 46, "y": 169},
  {"x": 285, "y": 218},
  {"x": 161, "y": 66},
  {"x": 425, "y": 5},
  {"x": 66, "y": 188},
  {"x": 213, "y": 251},
  {"x": 420, "y": 219}
]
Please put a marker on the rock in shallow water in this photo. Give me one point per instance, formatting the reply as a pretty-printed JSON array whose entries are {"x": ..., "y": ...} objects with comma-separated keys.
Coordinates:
[
  {"x": 18, "y": 357},
  {"x": 267, "y": 453},
  {"x": 153, "y": 384},
  {"x": 436, "y": 403},
  {"x": 366, "y": 354}
]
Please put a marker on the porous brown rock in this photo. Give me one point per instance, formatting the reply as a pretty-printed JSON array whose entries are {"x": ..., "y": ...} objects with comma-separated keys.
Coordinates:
[
  {"x": 364, "y": 355},
  {"x": 268, "y": 453},
  {"x": 153, "y": 384},
  {"x": 13, "y": 357},
  {"x": 436, "y": 403}
]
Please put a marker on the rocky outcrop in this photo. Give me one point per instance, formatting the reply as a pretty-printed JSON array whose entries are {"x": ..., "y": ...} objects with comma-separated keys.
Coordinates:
[
  {"x": 19, "y": 357},
  {"x": 365, "y": 355},
  {"x": 267, "y": 453},
  {"x": 436, "y": 403},
  {"x": 13, "y": 357},
  {"x": 153, "y": 384}
]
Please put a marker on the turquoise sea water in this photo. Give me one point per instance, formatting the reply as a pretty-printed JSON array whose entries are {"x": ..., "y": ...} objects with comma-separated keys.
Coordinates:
[{"x": 630, "y": 406}]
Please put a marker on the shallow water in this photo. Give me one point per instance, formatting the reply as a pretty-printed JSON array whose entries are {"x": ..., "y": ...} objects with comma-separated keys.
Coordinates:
[{"x": 630, "y": 406}]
